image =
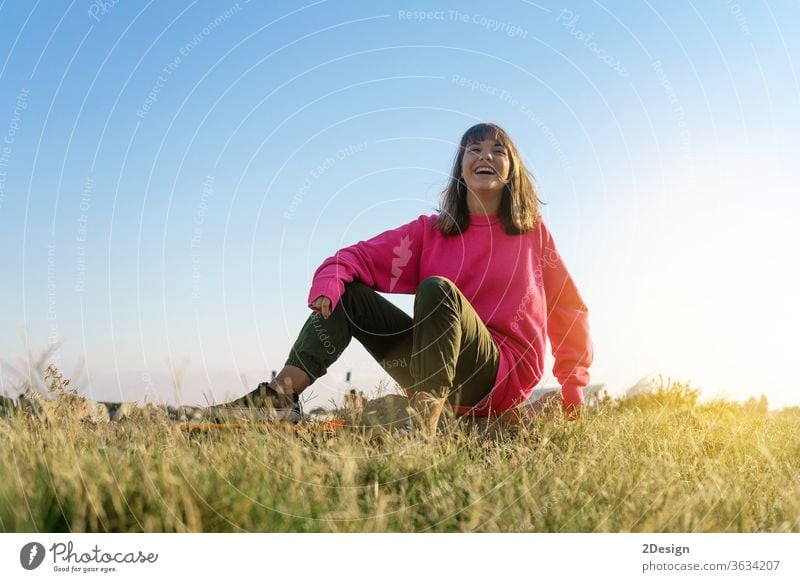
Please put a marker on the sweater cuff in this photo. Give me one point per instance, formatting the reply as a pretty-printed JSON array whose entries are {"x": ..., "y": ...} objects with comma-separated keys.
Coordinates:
[
  {"x": 571, "y": 395},
  {"x": 329, "y": 287}
]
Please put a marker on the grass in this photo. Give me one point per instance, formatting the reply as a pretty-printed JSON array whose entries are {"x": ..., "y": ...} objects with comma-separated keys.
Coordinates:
[{"x": 656, "y": 463}]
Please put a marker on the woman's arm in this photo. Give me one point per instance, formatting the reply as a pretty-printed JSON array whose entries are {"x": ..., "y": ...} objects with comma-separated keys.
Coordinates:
[
  {"x": 567, "y": 325},
  {"x": 388, "y": 262}
]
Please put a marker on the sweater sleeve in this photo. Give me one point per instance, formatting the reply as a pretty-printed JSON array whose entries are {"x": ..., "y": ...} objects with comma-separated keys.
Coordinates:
[
  {"x": 567, "y": 324},
  {"x": 388, "y": 262}
]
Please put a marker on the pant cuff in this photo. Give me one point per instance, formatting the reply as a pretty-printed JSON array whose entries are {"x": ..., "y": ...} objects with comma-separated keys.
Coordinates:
[{"x": 314, "y": 369}]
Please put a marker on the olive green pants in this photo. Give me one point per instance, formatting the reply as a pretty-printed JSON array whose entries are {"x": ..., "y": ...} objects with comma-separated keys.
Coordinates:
[{"x": 445, "y": 347}]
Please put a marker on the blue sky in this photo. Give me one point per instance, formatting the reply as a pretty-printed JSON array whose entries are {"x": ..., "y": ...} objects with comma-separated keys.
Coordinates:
[{"x": 171, "y": 174}]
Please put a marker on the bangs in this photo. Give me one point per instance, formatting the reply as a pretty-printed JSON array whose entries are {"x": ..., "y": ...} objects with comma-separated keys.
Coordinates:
[{"x": 482, "y": 131}]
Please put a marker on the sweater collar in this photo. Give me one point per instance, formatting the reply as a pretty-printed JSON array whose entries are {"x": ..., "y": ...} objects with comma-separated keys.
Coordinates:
[{"x": 483, "y": 219}]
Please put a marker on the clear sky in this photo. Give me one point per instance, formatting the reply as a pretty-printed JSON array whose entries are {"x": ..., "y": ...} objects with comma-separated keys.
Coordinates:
[{"x": 171, "y": 175}]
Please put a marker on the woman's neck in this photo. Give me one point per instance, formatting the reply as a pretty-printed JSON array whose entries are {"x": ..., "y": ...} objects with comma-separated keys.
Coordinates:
[{"x": 484, "y": 203}]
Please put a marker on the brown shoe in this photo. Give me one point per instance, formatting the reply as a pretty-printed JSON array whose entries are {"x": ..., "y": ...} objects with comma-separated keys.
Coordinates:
[
  {"x": 263, "y": 403},
  {"x": 392, "y": 411}
]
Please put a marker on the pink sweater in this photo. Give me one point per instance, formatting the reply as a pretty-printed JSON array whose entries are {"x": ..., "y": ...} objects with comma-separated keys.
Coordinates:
[{"x": 517, "y": 284}]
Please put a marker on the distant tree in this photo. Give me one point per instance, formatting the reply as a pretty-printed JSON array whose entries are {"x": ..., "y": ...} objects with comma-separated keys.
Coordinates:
[
  {"x": 763, "y": 404},
  {"x": 760, "y": 406}
]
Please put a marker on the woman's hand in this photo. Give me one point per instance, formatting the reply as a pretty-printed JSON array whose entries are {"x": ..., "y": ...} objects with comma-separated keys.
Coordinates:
[{"x": 323, "y": 305}]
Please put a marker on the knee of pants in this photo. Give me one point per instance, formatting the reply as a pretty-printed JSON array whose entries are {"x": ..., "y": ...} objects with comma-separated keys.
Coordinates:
[
  {"x": 353, "y": 288},
  {"x": 433, "y": 290}
]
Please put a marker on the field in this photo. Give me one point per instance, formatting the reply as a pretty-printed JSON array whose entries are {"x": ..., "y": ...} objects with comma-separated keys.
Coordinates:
[{"x": 656, "y": 463}]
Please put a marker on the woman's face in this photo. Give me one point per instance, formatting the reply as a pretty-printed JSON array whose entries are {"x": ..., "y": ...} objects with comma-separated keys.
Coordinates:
[{"x": 485, "y": 166}]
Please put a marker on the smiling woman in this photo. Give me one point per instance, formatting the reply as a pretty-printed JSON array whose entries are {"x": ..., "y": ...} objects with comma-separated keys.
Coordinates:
[{"x": 477, "y": 337}]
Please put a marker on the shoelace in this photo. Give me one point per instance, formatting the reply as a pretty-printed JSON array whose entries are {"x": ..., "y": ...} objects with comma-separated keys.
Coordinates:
[{"x": 267, "y": 391}]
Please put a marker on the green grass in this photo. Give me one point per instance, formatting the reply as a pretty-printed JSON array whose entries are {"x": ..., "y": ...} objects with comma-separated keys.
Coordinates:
[{"x": 656, "y": 463}]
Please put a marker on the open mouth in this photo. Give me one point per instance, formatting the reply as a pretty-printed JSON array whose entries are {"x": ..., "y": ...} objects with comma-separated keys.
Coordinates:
[{"x": 485, "y": 170}]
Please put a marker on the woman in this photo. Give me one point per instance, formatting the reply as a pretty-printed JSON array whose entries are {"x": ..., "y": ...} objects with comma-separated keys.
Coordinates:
[{"x": 489, "y": 288}]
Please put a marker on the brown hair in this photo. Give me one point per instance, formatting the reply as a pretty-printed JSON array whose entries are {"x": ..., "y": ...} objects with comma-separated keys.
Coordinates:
[{"x": 519, "y": 205}]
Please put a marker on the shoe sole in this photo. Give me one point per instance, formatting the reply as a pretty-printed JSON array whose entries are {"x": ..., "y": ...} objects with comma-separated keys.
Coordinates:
[{"x": 232, "y": 414}]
